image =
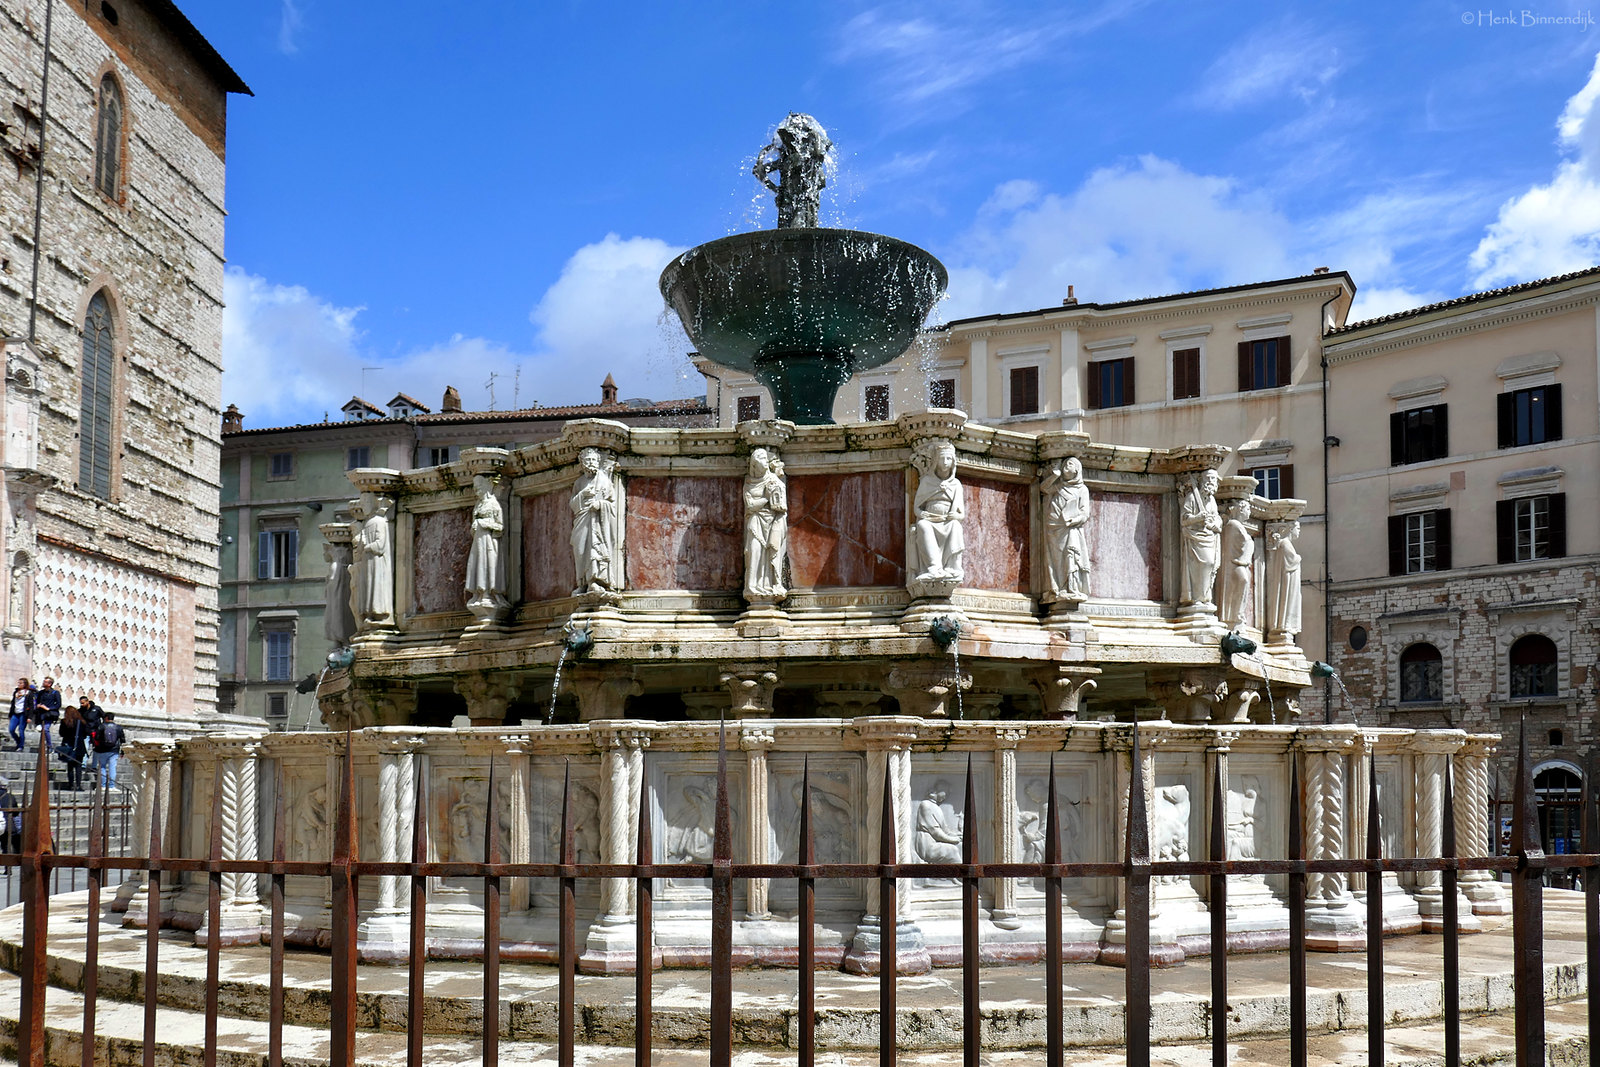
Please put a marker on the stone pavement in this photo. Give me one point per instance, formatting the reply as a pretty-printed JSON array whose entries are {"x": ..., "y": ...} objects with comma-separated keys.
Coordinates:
[{"x": 765, "y": 1017}]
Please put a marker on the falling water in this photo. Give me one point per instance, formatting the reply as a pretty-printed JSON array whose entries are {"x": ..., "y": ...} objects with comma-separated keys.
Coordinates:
[
  {"x": 555, "y": 688},
  {"x": 1272, "y": 706},
  {"x": 955, "y": 652},
  {"x": 1348, "y": 700}
]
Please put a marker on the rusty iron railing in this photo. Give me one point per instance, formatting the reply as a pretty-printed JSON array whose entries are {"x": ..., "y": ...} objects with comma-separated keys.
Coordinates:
[{"x": 1526, "y": 865}]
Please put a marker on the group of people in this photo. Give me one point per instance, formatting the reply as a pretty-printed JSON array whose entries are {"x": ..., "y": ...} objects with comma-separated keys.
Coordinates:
[{"x": 89, "y": 735}]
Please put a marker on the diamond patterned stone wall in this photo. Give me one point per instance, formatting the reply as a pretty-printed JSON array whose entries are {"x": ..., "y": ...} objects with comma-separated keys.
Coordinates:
[{"x": 102, "y": 629}]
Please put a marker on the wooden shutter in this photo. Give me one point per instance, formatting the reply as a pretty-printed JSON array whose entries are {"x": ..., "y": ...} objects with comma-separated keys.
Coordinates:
[
  {"x": 1286, "y": 481},
  {"x": 264, "y": 554},
  {"x": 293, "y": 550},
  {"x": 1552, "y": 412},
  {"x": 1397, "y": 439},
  {"x": 1185, "y": 373},
  {"x": 1558, "y": 524},
  {"x": 1094, "y": 385},
  {"x": 1127, "y": 381},
  {"x": 1506, "y": 416},
  {"x": 1441, "y": 431},
  {"x": 1505, "y": 531},
  {"x": 1441, "y": 552},
  {"x": 1245, "y": 378},
  {"x": 1284, "y": 361},
  {"x": 1397, "y": 544}
]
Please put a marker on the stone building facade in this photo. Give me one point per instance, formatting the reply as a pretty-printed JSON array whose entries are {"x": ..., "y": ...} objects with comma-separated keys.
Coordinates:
[
  {"x": 111, "y": 313},
  {"x": 281, "y": 484}
]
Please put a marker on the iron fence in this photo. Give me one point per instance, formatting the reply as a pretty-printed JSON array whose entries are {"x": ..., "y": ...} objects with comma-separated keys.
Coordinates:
[
  {"x": 1526, "y": 865},
  {"x": 72, "y": 823}
]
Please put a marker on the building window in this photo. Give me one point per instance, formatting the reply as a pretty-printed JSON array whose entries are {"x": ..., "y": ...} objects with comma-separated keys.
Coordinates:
[
  {"x": 1530, "y": 416},
  {"x": 877, "y": 403},
  {"x": 358, "y": 457},
  {"x": 1358, "y": 638},
  {"x": 438, "y": 457},
  {"x": 94, "y": 403},
  {"x": 1421, "y": 675},
  {"x": 1274, "y": 483},
  {"x": 1555, "y": 739},
  {"x": 1531, "y": 528},
  {"x": 1111, "y": 383},
  {"x": 748, "y": 408},
  {"x": 278, "y": 655},
  {"x": 108, "y": 139},
  {"x": 278, "y": 551},
  {"x": 1263, "y": 364},
  {"x": 942, "y": 393},
  {"x": 277, "y": 705},
  {"x": 1024, "y": 391},
  {"x": 1419, "y": 435},
  {"x": 1533, "y": 666},
  {"x": 1185, "y": 373},
  {"x": 280, "y": 465},
  {"x": 1559, "y": 795},
  {"x": 1419, "y": 542}
]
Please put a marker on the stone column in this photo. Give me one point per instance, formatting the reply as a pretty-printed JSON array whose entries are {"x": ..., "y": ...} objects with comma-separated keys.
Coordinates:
[
  {"x": 241, "y": 906},
  {"x": 887, "y": 741},
  {"x": 848, "y": 702},
  {"x": 925, "y": 691},
  {"x": 488, "y": 696},
  {"x": 750, "y": 688},
  {"x": 1193, "y": 695},
  {"x": 1216, "y": 774},
  {"x": 756, "y": 741},
  {"x": 1433, "y": 754},
  {"x": 611, "y": 942},
  {"x": 520, "y": 848},
  {"x": 154, "y": 760},
  {"x": 1487, "y": 894},
  {"x": 1062, "y": 688},
  {"x": 1333, "y": 922},
  {"x": 1006, "y": 738},
  {"x": 384, "y": 936},
  {"x": 1164, "y": 947},
  {"x": 1359, "y": 796},
  {"x": 603, "y": 690}
]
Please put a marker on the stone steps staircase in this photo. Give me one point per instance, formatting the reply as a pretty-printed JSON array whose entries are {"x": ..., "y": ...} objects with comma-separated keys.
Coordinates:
[{"x": 70, "y": 814}]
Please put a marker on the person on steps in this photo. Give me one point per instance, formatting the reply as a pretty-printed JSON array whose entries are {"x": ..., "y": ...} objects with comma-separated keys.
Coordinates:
[
  {"x": 47, "y": 710},
  {"x": 74, "y": 748},
  {"x": 107, "y": 747},
  {"x": 22, "y": 712}
]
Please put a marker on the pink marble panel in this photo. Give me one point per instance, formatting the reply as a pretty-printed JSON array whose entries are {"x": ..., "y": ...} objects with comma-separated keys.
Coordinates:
[
  {"x": 847, "y": 529},
  {"x": 1125, "y": 546},
  {"x": 685, "y": 533},
  {"x": 547, "y": 570},
  {"x": 440, "y": 541},
  {"x": 997, "y": 536}
]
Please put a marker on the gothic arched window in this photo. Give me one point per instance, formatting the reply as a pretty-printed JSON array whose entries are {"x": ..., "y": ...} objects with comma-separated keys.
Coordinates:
[
  {"x": 1421, "y": 675},
  {"x": 108, "y": 139},
  {"x": 94, "y": 409}
]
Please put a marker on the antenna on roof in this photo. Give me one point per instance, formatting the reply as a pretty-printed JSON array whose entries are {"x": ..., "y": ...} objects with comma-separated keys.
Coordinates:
[
  {"x": 516, "y": 390},
  {"x": 364, "y": 380},
  {"x": 490, "y": 386}
]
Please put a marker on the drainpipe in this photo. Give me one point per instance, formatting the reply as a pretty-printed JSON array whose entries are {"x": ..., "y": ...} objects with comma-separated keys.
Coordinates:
[
  {"x": 38, "y": 177},
  {"x": 1327, "y": 525}
]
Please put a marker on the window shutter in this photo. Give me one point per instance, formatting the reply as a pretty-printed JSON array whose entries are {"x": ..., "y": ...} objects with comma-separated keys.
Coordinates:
[
  {"x": 1506, "y": 415},
  {"x": 294, "y": 554},
  {"x": 1245, "y": 383},
  {"x": 1283, "y": 361},
  {"x": 263, "y": 554},
  {"x": 1127, "y": 381},
  {"x": 1180, "y": 375},
  {"x": 1397, "y": 544},
  {"x": 1552, "y": 413},
  {"x": 1094, "y": 385},
  {"x": 1441, "y": 430},
  {"x": 1558, "y": 524},
  {"x": 1505, "y": 530},
  {"x": 1441, "y": 553},
  {"x": 1286, "y": 481},
  {"x": 1397, "y": 438}
]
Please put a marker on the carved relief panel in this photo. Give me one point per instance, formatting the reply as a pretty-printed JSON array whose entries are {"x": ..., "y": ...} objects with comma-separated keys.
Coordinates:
[
  {"x": 838, "y": 823},
  {"x": 683, "y": 804},
  {"x": 939, "y": 817},
  {"x": 1087, "y": 824}
]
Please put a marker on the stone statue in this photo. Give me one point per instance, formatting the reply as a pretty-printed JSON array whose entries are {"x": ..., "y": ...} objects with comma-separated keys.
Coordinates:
[
  {"x": 799, "y": 154},
  {"x": 937, "y": 540},
  {"x": 936, "y": 833},
  {"x": 1283, "y": 581},
  {"x": 1170, "y": 839},
  {"x": 766, "y": 527},
  {"x": 338, "y": 617},
  {"x": 16, "y": 608},
  {"x": 371, "y": 551},
  {"x": 596, "y": 525},
  {"x": 1066, "y": 518},
  {"x": 1239, "y": 558},
  {"x": 485, "y": 587},
  {"x": 1202, "y": 527}
]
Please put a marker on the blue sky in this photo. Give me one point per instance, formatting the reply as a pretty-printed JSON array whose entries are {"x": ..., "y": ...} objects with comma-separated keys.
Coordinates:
[{"x": 441, "y": 192}]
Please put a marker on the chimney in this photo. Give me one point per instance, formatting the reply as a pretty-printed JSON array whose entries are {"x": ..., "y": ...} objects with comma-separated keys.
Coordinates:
[
  {"x": 1320, "y": 270},
  {"x": 608, "y": 390},
  {"x": 1070, "y": 300},
  {"x": 452, "y": 400},
  {"x": 232, "y": 419}
]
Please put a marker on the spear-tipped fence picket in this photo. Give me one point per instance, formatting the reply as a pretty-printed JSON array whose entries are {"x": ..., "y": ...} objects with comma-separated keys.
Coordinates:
[{"x": 1525, "y": 865}]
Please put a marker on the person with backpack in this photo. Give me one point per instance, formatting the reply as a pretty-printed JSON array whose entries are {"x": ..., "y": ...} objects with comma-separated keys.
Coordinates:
[
  {"x": 107, "y": 747},
  {"x": 74, "y": 747},
  {"x": 47, "y": 710},
  {"x": 22, "y": 712}
]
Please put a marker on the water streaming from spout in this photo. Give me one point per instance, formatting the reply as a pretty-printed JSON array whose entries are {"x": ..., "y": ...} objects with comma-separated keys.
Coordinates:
[
  {"x": 1349, "y": 701},
  {"x": 961, "y": 707},
  {"x": 555, "y": 687}
]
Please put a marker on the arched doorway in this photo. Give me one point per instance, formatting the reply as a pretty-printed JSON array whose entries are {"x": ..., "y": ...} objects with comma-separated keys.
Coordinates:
[{"x": 1558, "y": 788}]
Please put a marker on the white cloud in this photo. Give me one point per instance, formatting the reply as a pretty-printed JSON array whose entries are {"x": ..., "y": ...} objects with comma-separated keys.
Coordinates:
[
  {"x": 290, "y": 20},
  {"x": 1285, "y": 58},
  {"x": 291, "y": 356},
  {"x": 1554, "y": 227}
]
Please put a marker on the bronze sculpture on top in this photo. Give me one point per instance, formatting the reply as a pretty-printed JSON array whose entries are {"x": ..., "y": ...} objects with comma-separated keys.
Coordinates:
[{"x": 802, "y": 307}]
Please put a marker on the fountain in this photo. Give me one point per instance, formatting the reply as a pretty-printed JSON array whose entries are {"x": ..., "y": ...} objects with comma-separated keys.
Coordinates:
[
  {"x": 870, "y": 609},
  {"x": 802, "y": 307}
]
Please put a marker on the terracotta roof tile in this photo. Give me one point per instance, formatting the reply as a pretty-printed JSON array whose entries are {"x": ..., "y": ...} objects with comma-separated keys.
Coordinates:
[{"x": 1461, "y": 301}]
